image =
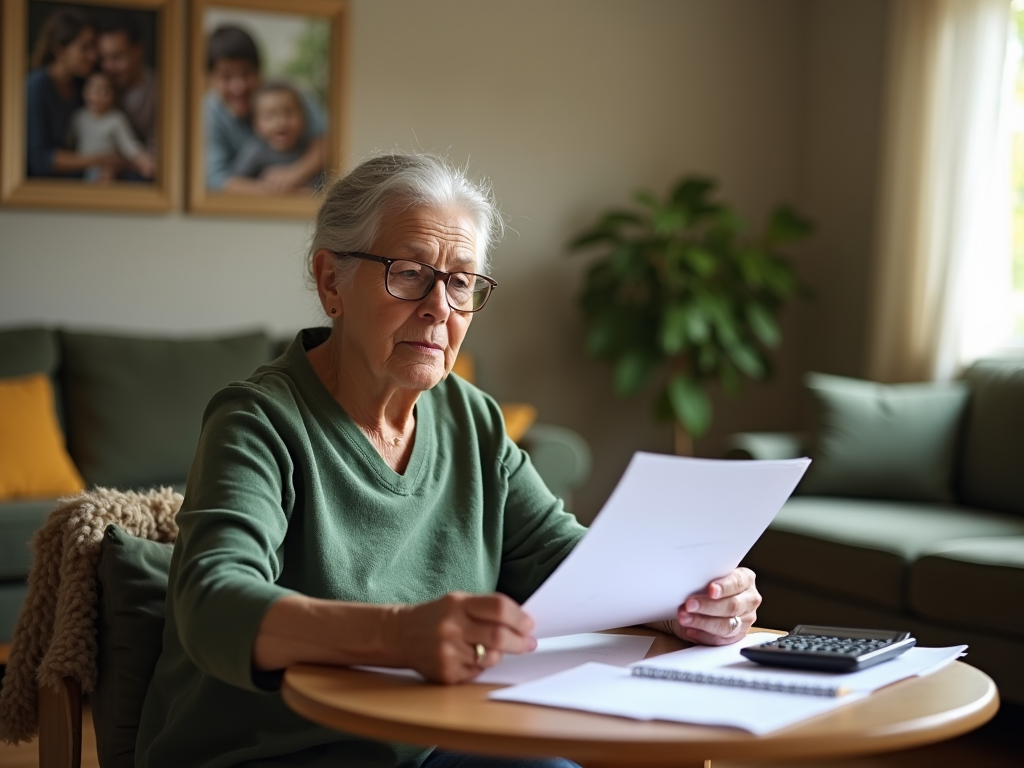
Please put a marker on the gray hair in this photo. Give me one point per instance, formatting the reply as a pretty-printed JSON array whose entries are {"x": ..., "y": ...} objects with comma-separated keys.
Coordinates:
[{"x": 354, "y": 206}]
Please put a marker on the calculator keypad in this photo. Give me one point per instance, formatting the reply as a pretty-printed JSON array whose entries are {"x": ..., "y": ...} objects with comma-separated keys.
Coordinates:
[{"x": 845, "y": 646}]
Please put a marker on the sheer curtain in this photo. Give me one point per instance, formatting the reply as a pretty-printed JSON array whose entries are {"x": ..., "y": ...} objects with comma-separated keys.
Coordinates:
[{"x": 942, "y": 288}]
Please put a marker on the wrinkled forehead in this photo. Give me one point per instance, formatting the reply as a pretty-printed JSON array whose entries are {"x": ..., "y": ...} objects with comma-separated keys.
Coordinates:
[{"x": 425, "y": 233}]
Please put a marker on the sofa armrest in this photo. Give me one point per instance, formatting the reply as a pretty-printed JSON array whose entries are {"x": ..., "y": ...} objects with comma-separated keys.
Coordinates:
[
  {"x": 561, "y": 456},
  {"x": 766, "y": 445}
]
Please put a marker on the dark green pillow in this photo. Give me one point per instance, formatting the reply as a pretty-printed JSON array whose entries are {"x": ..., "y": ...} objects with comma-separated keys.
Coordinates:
[
  {"x": 883, "y": 441},
  {"x": 132, "y": 576},
  {"x": 135, "y": 405}
]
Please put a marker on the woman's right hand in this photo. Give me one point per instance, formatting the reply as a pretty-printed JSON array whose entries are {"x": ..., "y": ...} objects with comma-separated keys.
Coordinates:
[{"x": 439, "y": 638}]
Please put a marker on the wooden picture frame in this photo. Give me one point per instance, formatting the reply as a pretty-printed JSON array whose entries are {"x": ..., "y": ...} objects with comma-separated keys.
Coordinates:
[
  {"x": 18, "y": 188},
  {"x": 204, "y": 199}
]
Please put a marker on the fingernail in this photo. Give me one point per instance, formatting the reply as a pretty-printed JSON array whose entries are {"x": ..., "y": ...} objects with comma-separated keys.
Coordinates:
[
  {"x": 692, "y": 605},
  {"x": 532, "y": 644},
  {"x": 685, "y": 618},
  {"x": 715, "y": 590}
]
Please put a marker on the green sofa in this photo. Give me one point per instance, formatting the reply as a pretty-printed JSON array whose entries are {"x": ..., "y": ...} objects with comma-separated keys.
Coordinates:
[
  {"x": 868, "y": 543},
  {"x": 131, "y": 408}
]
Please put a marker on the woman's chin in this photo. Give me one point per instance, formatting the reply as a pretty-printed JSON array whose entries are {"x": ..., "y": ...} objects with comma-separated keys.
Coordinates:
[{"x": 421, "y": 377}]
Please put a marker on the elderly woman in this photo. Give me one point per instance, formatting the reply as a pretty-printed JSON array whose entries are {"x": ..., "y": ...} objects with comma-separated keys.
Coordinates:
[{"x": 354, "y": 503}]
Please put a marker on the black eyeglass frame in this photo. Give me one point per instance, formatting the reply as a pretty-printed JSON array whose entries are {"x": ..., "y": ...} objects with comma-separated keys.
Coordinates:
[{"x": 439, "y": 274}]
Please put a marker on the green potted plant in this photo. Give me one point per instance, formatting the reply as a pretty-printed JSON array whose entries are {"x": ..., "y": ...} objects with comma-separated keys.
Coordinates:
[{"x": 681, "y": 297}]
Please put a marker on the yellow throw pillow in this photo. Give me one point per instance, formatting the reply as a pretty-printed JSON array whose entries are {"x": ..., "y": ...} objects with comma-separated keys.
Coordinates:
[{"x": 33, "y": 460}]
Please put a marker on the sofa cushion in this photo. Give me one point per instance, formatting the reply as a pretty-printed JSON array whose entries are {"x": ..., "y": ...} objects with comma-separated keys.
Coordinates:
[
  {"x": 19, "y": 520},
  {"x": 862, "y": 548},
  {"x": 884, "y": 441},
  {"x": 34, "y": 463},
  {"x": 991, "y": 462},
  {"x": 132, "y": 575},
  {"x": 971, "y": 582},
  {"x": 135, "y": 405}
]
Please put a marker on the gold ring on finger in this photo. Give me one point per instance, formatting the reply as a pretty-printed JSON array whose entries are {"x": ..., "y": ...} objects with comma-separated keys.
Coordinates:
[{"x": 481, "y": 653}]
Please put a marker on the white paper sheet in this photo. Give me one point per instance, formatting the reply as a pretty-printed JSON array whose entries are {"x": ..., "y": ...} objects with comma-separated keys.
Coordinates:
[
  {"x": 671, "y": 526},
  {"x": 553, "y": 655},
  {"x": 556, "y": 654},
  {"x": 614, "y": 691}
]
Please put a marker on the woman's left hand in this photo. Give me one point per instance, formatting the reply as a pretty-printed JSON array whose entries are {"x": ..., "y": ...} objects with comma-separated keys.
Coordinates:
[{"x": 721, "y": 614}]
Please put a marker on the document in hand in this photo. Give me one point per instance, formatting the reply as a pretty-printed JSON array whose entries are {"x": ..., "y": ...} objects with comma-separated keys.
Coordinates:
[
  {"x": 671, "y": 526},
  {"x": 614, "y": 691}
]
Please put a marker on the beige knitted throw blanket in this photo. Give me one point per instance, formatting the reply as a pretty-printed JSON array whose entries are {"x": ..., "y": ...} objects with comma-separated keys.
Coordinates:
[{"x": 55, "y": 635}]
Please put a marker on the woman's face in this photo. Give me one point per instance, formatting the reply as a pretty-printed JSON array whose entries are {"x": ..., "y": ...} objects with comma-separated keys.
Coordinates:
[
  {"x": 79, "y": 56},
  {"x": 410, "y": 344}
]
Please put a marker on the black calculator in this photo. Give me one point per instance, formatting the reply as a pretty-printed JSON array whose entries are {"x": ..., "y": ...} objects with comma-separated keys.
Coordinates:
[{"x": 831, "y": 649}]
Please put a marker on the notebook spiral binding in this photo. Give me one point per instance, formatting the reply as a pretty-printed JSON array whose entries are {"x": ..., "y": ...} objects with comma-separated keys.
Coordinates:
[{"x": 737, "y": 682}]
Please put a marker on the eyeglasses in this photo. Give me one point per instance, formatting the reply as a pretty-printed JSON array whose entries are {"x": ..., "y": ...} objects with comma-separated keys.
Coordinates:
[{"x": 413, "y": 280}]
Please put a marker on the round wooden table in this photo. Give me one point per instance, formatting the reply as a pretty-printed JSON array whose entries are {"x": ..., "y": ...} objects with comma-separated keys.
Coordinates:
[{"x": 910, "y": 713}]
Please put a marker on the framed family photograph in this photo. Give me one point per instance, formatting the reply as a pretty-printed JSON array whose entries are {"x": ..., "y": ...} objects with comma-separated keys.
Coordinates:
[
  {"x": 267, "y": 97},
  {"x": 91, "y": 95}
]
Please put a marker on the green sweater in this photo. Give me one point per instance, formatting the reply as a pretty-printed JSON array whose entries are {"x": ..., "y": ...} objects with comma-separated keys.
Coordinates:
[{"x": 286, "y": 495}]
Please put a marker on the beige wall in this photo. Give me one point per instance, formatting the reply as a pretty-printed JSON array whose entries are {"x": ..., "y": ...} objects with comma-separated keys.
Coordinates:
[{"x": 568, "y": 106}]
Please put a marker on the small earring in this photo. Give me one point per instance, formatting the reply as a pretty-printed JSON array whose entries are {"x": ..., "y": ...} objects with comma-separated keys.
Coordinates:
[{"x": 334, "y": 310}]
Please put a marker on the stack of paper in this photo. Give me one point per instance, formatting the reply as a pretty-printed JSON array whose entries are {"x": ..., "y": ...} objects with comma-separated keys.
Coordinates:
[{"x": 615, "y": 691}]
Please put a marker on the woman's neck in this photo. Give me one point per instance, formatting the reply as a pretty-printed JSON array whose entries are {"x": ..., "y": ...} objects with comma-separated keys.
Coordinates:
[{"x": 384, "y": 413}]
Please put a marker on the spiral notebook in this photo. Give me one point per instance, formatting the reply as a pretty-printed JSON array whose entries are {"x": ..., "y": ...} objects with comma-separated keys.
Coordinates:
[{"x": 726, "y": 667}]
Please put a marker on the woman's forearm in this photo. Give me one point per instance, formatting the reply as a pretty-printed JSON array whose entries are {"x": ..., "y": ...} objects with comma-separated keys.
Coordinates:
[{"x": 298, "y": 629}]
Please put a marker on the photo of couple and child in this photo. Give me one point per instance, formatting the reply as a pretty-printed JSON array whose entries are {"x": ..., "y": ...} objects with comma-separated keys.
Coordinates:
[
  {"x": 92, "y": 95},
  {"x": 92, "y": 98}
]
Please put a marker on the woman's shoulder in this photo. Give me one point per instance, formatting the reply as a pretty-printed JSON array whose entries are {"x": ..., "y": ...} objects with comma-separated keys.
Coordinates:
[{"x": 273, "y": 390}]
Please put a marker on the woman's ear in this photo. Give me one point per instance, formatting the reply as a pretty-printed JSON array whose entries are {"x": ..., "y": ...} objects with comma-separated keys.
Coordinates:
[{"x": 327, "y": 283}]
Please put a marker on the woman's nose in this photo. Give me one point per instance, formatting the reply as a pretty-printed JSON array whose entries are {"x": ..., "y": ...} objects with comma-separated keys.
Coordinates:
[{"x": 435, "y": 304}]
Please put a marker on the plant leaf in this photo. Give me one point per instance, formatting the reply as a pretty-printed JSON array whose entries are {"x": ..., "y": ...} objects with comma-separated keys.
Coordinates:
[
  {"x": 668, "y": 221},
  {"x": 690, "y": 404},
  {"x": 697, "y": 327},
  {"x": 633, "y": 372},
  {"x": 786, "y": 225},
  {"x": 763, "y": 324},
  {"x": 674, "y": 325},
  {"x": 747, "y": 360},
  {"x": 692, "y": 191},
  {"x": 701, "y": 260}
]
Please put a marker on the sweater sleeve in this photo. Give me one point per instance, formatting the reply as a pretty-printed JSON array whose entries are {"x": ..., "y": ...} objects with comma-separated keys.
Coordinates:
[
  {"x": 232, "y": 527},
  {"x": 538, "y": 532}
]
